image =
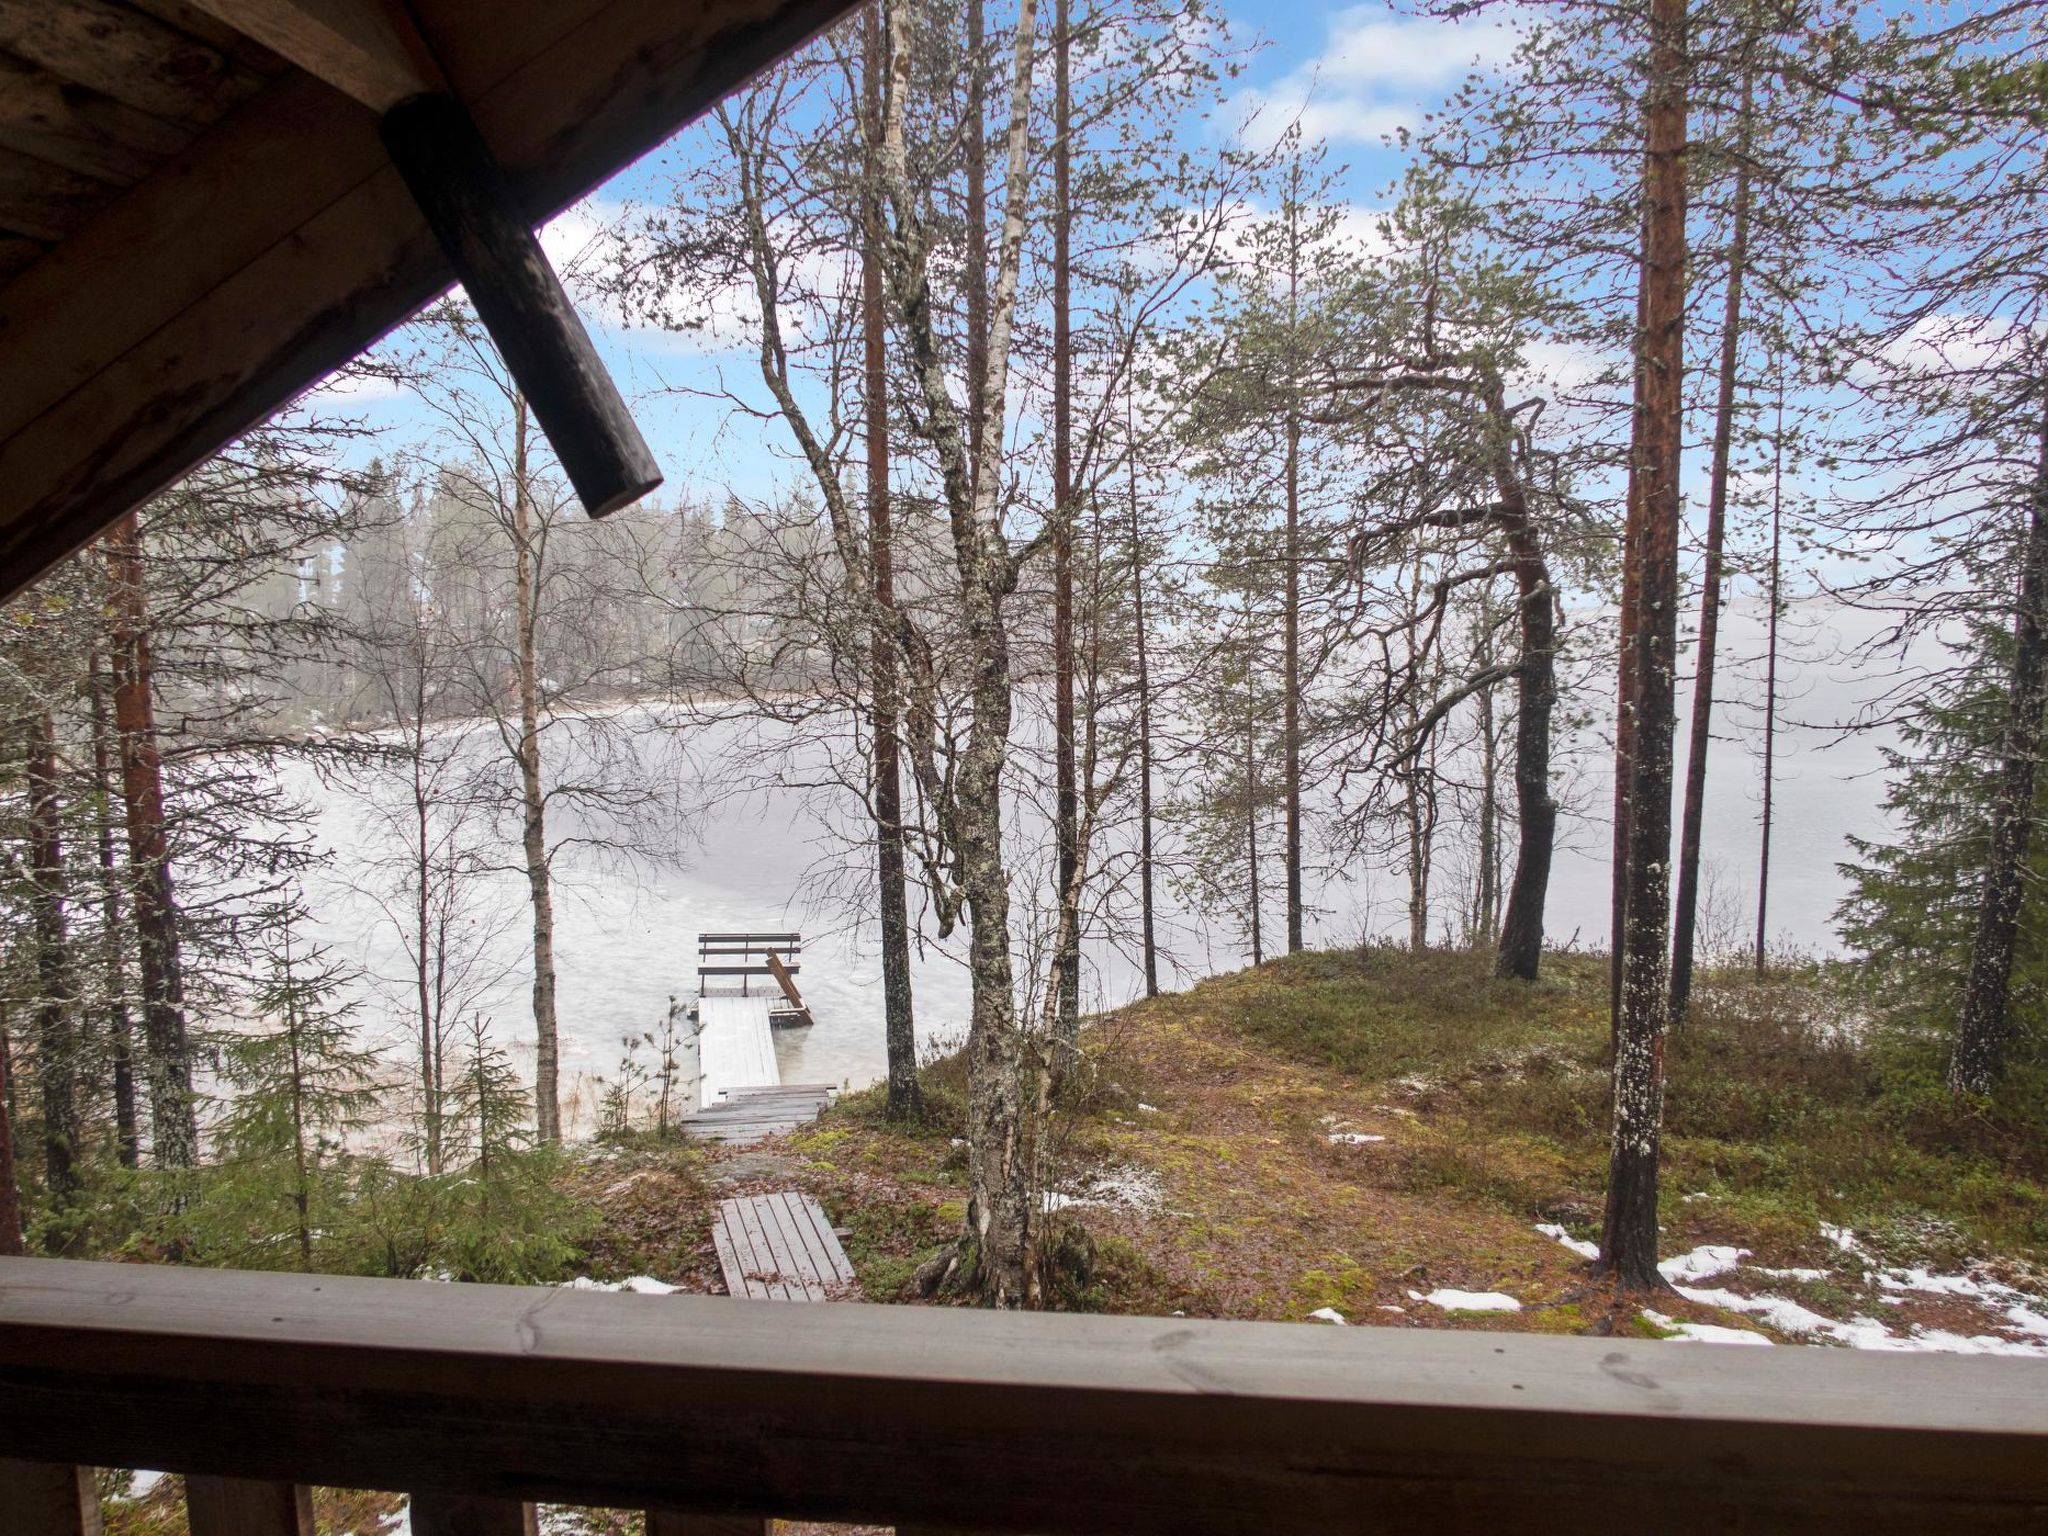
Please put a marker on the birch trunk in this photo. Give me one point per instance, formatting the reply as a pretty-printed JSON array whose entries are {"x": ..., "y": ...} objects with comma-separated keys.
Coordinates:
[
  {"x": 57, "y": 1053},
  {"x": 999, "y": 1129},
  {"x": 900, "y": 1037},
  {"x": 120, "y": 1034},
  {"x": 533, "y": 830}
]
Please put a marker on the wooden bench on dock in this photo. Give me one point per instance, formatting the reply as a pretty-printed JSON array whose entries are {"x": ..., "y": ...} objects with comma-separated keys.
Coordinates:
[
  {"x": 721, "y": 957},
  {"x": 779, "y": 1247}
]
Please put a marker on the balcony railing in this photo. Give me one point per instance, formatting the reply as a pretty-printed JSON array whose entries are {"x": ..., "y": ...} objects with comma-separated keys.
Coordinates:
[{"x": 715, "y": 1413}]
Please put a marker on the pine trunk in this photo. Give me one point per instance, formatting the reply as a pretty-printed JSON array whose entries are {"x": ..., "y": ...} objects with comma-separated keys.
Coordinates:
[
  {"x": 1985, "y": 1027},
  {"x": 533, "y": 796},
  {"x": 1685, "y": 915},
  {"x": 1628, "y": 1249},
  {"x": 57, "y": 1053},
  {"x": 899, "y": 1032},
  {"x": 1520, "y": 951},
  {"x": 1770, "y": 766},
  {"x": 174, "y": 1129}
]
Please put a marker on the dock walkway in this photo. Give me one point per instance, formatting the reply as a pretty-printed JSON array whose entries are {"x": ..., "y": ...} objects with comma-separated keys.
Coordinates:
[
  {"x": 735, "y": 1047},
  {"x": 779, "y": 1247}
]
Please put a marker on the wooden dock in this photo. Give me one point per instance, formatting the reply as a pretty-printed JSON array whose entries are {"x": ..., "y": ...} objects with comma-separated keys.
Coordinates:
[
  {"x": 735, "y": 1047},
  {"x": 779, "y": 1247},
  {"x": 747, "y": 1114}
]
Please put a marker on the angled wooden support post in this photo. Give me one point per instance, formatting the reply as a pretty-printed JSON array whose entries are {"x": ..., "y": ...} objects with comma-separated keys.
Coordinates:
[
  {"x": 234, "y": 1506},
  {"x": 471, "y": 210},
  {"x": 47, "y": 1498},
  {"x": 371, "y": 51},
  {"x": 452, "y": 1514}
]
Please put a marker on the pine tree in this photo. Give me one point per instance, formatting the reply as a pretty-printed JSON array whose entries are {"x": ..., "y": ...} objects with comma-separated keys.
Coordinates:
[
  {"x": 302, "y": 1086},
  {"x": 1912, "y": 910}
]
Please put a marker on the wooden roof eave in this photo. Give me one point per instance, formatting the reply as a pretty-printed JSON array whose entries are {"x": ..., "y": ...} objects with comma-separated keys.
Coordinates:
[{"x": 282, "y": 242}]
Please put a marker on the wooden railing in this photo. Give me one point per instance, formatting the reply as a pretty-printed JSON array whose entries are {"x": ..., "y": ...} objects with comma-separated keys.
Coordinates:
[{"x": 481, "y": 1400}]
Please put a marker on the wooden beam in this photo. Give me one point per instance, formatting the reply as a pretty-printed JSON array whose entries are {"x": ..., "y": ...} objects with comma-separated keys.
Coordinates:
[
  {"x": 973, "y": 1420},
  {"x": 233, "y": 1506},
  {"x": 283, "y": 242},
  {"x": 354, "y": 45},
  {"x": 445, "y": 1514},
  {"x": 40, "y": 1498},
  {"x": 668, "y": 1522},
  {"x": 520, "y": 301}
]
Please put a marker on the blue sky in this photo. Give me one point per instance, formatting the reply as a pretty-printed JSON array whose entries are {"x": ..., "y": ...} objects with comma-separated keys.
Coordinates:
[{"x": 1349, "y": 73}]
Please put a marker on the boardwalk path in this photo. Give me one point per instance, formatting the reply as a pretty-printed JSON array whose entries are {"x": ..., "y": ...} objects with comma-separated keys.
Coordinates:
[{"x": 779, "y": 1247}]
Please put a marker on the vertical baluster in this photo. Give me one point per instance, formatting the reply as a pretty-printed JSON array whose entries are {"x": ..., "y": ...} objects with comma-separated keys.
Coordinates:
[
  {"x": 234, "y": 1506},
  {"x": 44, "y": 1498},
  {"x": 669, "y": 1522},
  {"x": 458, "y": 1514}
]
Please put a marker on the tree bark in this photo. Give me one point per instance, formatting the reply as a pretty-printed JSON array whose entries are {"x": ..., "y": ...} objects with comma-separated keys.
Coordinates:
[
  {"x": 11, "y": 1243},
  {"x": 1148, "y": 926},
  {"x": 1628, "y": 1249},
  {"x": 899, "y": 1032},
  {"x": 532, "y": 794},
  {"x": 1290, "y": 727},
  {"x": 1985, "y": 1027},
  {"x": 120, "y": 1034},
  {"x": 1763, "y": 855},
  {"x": 174, "y": 1128},
  {"x": 1067, "y": 954},
  {"x": 1685, "y": 915},
  {"x": 57, "y": 1053},
  {"x": 1000, "y": 1125}
]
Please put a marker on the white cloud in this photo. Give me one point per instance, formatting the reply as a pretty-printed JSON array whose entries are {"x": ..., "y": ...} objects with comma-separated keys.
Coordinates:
[{"x": 1378, "y": 72}]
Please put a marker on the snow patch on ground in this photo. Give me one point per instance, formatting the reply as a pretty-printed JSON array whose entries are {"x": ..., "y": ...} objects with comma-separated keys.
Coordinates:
[
  {"x": 639, "y": 1285},
  {"x": 1354, "y": 1138},
  {"x": 1468, "y": 1301},
  {"x": 1703, "y": 1333},
  {"x": 1132, "y": 1189},
  {"x": 1328, "y": 1315},
  {"x": 1712, "y": 1259},
  {"x": 1578, "y": 1245},
  {"x": 2020, "y": 1311}
]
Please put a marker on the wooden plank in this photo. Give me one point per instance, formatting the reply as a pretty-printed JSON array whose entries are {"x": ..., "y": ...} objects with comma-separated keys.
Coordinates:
[
  {"x": 933, "y": 1415},
  {"x": 764, "y": 1268},
  {"x": 224, "y": 284},
  {"x": 71, "y": 126},
  {"x": 785, "y": 1241},
  {"x": 44, "y": 201},
  {"x": 122, "y": 53},
  {"x": 41, "y": 1498},
  {"x": 444, "y": 1514},
  {"x": 351, "y": 44},
  {"x": 233, "y": 1506},
  {"x": 736, "y": 1259}
]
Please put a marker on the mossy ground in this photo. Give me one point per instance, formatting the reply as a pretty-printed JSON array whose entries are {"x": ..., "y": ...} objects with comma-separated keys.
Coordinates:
[
  {"x": 1196, "y": 1135},
  {"x": 1785, "y": 1112}
]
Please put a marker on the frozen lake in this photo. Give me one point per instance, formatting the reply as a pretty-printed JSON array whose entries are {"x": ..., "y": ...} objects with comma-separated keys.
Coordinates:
[{"x": 773, "y": 844}]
